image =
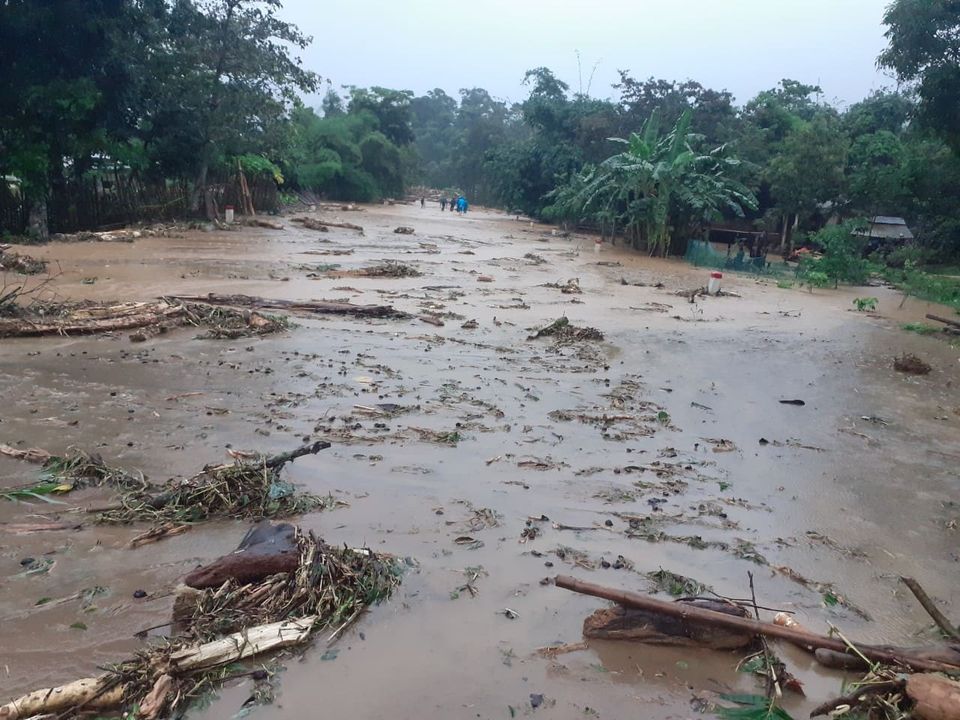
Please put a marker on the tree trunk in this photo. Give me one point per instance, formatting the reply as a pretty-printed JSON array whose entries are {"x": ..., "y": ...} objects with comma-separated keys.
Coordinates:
[
  {"x": 37, "y": 223},
  {"x": 198, "y": 196}
]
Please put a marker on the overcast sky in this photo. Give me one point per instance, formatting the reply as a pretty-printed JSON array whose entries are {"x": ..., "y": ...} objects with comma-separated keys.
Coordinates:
[{"x": 743, "y": 46}]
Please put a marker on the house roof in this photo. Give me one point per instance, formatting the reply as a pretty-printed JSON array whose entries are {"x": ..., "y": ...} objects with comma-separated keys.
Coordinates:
[{"x": 887, "y": 227}]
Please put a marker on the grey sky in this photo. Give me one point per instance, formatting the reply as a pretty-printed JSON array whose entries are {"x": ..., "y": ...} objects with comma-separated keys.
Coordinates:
[{"x": 739, "y": 45}]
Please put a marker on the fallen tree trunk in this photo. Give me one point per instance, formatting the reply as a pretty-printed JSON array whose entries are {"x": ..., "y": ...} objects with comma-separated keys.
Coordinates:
[
  {"x": 314, "y": 224},
  {"x": 934, "y": 696},
  {"x": 945, "y": 321},
  {"x": 623, "y": 623},
  {"x": 261, "y": 222},
  {"x": 103, "y": 692},
  {"x": 946, "y": 659},
  {"x": 125, "y": 317},
  {"x": 317, "y": 308},
  {"x": 89, "y": 693}
]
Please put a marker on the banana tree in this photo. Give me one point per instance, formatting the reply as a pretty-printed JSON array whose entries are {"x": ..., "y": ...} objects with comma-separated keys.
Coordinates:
[{"x": 659, "y": 178}]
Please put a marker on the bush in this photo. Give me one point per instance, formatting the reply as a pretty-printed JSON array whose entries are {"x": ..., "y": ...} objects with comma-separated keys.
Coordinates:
[
  {"x": 842, "y": 259},
  {"x": 906, "y": 254}
]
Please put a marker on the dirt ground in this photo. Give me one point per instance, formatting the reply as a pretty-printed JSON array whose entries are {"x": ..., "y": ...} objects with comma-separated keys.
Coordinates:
[{"x": 620, "y": 438}]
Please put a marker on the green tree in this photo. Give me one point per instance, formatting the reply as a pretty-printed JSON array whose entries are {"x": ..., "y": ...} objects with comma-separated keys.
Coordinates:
[
  {"x": 662, "y": 185},
  {"x": 223, "y": 82},
  {"x": 924, "y": 51},
  {"x": 68, "y": 89},
  {"x": 392, "y": 108},
  {"x": 879, "y": 179},
  {"x": 807, "y": 176},
  {"x": 881, "y": 110}
]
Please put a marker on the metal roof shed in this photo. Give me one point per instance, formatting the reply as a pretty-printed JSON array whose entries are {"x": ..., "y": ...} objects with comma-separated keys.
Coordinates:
[{"x": 884, "y": 227}]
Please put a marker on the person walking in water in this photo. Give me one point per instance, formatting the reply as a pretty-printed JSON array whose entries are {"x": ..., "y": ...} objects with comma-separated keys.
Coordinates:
[
  {"x": 464, "y": 207},
  {"x": 423, "y": 201},
  {"x": 453, "y": 203},
  {"x": 443, "y": 203}
]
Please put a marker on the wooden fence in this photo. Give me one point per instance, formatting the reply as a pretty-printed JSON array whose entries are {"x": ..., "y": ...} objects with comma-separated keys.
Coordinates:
[{"x": 103, "y": 203}]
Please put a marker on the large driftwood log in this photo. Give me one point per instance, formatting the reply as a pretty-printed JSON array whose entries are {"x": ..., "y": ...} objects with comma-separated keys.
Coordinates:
[
  {"x": 318, "y": 308},
  {"x": 266, "y": 550},
  {"x": 945, "y": 321},
  {"x": 622, "y": 623},
  {"x": 939, "y": 659},
  {"x": 99, "y": 693},
  {"x": 315, "y": 224},
  {"x": 120, "y": 317},
  {"x": 934, "y": 696},
  {"x": 90, "y": 693}
]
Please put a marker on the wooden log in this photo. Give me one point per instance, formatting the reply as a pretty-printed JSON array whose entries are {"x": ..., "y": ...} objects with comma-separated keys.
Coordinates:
[
  {"x": 945, "y": 321},
  {"x": 315, "y": 224},
  {"x": 99, "y": 693},
  {"x": 317, "y": 308},
  {"x": 622, "y": 623},
  {"x": 266, "y": 550},
  {"x": 69, "y": 325},
  {"x": 947, "y": 658},
  {"x": 935, "y": 697},
  {"x": 94, "y": 693}
]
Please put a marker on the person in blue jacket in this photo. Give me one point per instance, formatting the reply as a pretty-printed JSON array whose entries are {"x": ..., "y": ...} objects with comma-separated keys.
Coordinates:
[{"x": 461, "y": 204}]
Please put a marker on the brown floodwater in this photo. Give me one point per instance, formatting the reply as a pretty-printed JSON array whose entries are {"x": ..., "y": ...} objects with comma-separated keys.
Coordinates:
[{"x": 853, "y": 489}]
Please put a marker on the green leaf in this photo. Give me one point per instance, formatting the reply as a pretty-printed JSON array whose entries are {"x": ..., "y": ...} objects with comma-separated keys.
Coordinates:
[
  {"x": 78, "y": 626},
  {"x": 751, "y": 707}
]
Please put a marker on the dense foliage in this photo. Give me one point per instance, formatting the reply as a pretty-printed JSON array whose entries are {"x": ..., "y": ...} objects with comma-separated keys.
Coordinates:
[
  {"x": 173, "y": 89},
  {"x": 168, "y": 88}
]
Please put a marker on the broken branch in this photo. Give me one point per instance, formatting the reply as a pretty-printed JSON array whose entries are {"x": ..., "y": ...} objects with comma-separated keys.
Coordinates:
[{"x": 949, "y": 661}]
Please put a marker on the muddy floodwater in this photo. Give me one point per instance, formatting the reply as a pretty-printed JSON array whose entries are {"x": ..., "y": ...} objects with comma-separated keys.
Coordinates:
[{"x": 500, "y": 462}]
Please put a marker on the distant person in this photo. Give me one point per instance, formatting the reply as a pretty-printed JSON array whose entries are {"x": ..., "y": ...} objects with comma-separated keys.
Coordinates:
[
  {"x": 461, "y": 204},
  {"x": 453, "y": 203},
  {"x": 443, "y": 204},
  {"x": 464, "y": 201},
  {"x": 423, "y": 201}
]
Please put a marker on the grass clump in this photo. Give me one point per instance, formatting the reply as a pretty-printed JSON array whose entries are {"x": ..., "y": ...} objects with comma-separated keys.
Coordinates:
[{"x": 920, "y": 328}]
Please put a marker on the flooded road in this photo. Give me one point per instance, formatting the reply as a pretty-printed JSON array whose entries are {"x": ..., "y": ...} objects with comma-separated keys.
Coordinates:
[{"x": 662, "y": 446}]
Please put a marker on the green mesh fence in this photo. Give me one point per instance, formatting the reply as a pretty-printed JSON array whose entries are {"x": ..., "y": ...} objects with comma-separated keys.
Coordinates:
[{"x": 702, "y": 254}]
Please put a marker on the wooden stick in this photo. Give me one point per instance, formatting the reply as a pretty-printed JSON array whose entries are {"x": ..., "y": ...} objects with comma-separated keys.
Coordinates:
[
  {"x": 104, "y": 692},
  {"x": 278, "y": 461},
  {"x": 945, "y": 321},
  {"x": 932, "y": 610},
  {"x": 801, "y": 638},
  {"x": 318, "y": 307}
]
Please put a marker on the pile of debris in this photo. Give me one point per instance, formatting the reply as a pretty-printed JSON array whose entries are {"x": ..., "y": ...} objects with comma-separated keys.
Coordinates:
[
  {"x": 21, "y": 264},
  {"x": 248, "y": 487},
  {"x": 563, "y": 332},
  {"x": 129, "y": 234},
  {"x": 89, "y": 317},
  {"x": 256, "y": 608},
  {"x": 912, "y": 364},
  {"x": 900, "y": 682},
  {"x": 570, "y": 287},
  {"x": 325, "y": 225},
  {"x": 388, "y": 269},
  {"x": 224, "y": 316}
]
